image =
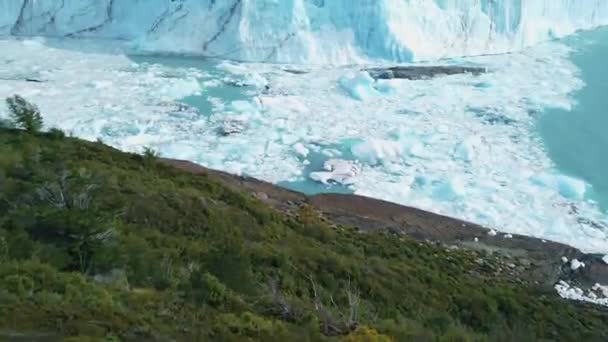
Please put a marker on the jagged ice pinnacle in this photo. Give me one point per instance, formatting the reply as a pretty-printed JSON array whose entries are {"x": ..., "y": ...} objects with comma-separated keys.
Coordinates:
[{"x": 309, "y": 31}]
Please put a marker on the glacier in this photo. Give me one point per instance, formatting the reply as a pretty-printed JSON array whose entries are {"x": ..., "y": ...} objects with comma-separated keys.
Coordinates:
[{"x": 309, "y": 31}]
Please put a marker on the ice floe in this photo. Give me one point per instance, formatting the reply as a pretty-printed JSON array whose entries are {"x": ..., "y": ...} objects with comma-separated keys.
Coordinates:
[{"x": 337, "y": 170}]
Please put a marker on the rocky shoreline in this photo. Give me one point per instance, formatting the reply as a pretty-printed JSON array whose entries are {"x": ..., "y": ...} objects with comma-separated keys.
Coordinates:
[{"x": 422, "y": 72}]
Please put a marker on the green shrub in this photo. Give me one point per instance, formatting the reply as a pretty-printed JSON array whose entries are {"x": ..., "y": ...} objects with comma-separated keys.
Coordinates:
[
  {"x": 24, "y": 114},
  {"x": 56, "y": 133}
]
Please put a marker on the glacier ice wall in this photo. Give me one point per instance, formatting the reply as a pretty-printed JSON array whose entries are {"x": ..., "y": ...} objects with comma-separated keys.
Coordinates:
[{"x": 310, "y": 31}]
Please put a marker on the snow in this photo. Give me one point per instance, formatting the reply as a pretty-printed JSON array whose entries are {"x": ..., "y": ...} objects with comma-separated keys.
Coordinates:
[
  {"x": 575, "y": 264},
  {"x": 605, "y": 259},
  {"x": 508, "y": 236},
  {"x": 337, "y": 31},
  {"x": 492, "y": 232},
  {"x": 564, "y": 259}
]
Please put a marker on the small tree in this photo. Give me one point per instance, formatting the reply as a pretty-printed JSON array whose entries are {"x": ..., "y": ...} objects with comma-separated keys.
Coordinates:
[
  {"x": 149, "y": 156},
  {"x": 24, "y": 114}
]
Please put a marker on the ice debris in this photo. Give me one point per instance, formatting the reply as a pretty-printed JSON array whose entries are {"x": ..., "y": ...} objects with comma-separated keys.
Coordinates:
[
  {"x": 338, "y": 170},
  {"x": 568, "y": 187},
  {"x": 362, "y": 86},
  {"x": 376, "y": 151},
  {"x": 232, "y": 126}
]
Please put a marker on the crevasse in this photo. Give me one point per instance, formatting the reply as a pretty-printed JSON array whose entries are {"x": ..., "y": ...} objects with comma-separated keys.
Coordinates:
[{"x": 309, "y": 31}]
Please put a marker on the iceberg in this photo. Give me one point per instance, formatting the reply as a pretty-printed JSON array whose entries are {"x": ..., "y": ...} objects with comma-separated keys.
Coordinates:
[{"x": 309, "y": 31}]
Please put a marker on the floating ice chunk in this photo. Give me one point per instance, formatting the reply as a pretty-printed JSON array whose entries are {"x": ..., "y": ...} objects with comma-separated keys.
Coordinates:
[
  {"x": 492, "y": 232},
  {"x": 359, "y": 86},
  {"x": 377, "y": 151},
  {"x": 331, "y": 152},
  {"x": 232, "y": 126},
  {"x": 605, "y": 259},
  {"x": 256, "y": 80},
  {"x": 233, "y": 67},
  {"x": 571, "y": 188},
  {"x": 338, "y": 170},
  {"x": 213, "y": 83},
  {"x": 575, "y": 264},
  {"x": 568, "y": 187},
  {"x": 449, "y": 190},
  {"x": 301, "y": 150}
]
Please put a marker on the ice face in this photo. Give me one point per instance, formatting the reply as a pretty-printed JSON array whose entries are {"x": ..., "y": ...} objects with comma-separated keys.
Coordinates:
[
  {"x": 460, "y": 145},
  {"x": 311, "y": 31}
]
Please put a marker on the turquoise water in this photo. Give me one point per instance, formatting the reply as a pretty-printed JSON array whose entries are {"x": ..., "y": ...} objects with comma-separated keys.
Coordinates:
[
  {"x": 227, "y": 92},
  {"x": 577, "y": 140}
]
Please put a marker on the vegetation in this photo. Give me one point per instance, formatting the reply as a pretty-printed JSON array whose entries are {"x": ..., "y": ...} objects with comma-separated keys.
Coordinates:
[
  {"x": 96, "y": 244},
  {"x": 24, "y": 114}
]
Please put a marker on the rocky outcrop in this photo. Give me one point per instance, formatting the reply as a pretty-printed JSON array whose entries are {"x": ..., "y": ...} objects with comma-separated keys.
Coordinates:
[{"x": 421, "y": 72}]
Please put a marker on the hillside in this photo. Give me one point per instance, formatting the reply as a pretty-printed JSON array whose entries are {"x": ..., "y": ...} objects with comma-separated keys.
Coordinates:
[{"x": 97, "y": 244}]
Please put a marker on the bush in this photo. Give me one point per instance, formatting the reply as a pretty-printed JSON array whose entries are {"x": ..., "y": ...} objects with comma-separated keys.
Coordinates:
[
  {"x": 24, "y": 114},
  {"x": 56, "y": 133},
  {"x": 150, "y": 155}
]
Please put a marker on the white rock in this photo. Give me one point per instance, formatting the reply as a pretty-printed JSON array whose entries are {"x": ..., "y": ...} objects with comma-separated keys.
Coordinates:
[{"x": 575, "y": 264}]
